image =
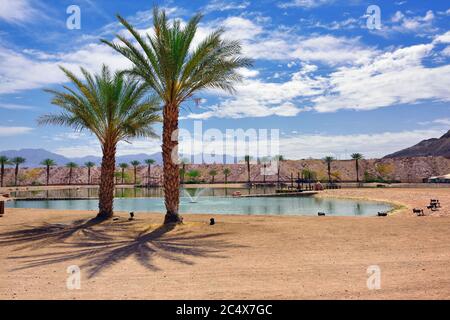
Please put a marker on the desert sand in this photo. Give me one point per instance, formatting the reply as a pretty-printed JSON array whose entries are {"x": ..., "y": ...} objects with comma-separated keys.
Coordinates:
[{"x": 241, "y": 257}]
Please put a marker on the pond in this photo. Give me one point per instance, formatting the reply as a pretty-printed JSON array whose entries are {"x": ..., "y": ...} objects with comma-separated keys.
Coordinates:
[{"x": 209, "y": 201}]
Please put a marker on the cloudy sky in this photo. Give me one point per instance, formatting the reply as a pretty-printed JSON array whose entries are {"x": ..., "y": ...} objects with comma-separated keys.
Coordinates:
[{"x": 330, "y": 84}]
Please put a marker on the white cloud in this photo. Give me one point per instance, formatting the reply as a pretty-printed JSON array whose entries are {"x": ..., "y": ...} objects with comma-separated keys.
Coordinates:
[
  {"x": 19, "y": 71},
  {"x": 304, "y": 3},
  {"x": 397, "y": 77},
  {"x": 220, "y": 5},
  {"x": 13, "y": 131},
  {"x": 371, "y": 145},
  {"x": 256, "y": 98},
  {"x": 17, "y": 11},
  {"x": 421, "y": 24},
  {"x": 91, "y": 147},
  {"x": 12, "y": 106}
]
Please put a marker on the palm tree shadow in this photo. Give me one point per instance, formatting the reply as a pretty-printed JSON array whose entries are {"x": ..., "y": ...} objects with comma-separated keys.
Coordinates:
[{"x": 93, "y": 244}]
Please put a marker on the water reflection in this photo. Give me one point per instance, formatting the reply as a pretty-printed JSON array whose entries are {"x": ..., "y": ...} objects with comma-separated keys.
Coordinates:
[{"x": 208, "y": 200}]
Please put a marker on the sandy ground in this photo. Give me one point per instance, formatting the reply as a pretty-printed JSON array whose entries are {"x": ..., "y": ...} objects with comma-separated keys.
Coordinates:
[{"x": 241, "y": 257}]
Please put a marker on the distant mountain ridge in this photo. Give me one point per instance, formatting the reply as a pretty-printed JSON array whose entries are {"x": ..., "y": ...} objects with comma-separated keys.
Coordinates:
[
  {"x": 431, "y": 147},
  {"x": 35, "y": 156}
]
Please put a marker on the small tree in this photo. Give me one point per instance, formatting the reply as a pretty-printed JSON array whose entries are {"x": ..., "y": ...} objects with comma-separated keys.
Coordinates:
[
  {"x": 149, "y": 163},
  {"x": 123, "y": 166},
  {"x": 135, "y": 165},
  {"x": 212, "y": 173},
  {"x": 71, "y": 166},
  {"x": 89, "y": 165},
  {"x": 3, "y": 162},
  {"x": 328, "y": 160},
  {"x": 357, "y": 157},
  {"x": 48, "y": 163},
  {"x": 226, "y": 173},
  {"x": 247, "y": 161},
  {"x": 193, "y": 175},
  {"x": 17, "y": 161},
  {"x": 279, "y": 159}
]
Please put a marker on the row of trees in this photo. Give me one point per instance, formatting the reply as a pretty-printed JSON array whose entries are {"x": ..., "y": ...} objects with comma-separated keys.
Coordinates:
[
  {"x": 193, "y": 174},
  {"x": 49, "y": 163}
]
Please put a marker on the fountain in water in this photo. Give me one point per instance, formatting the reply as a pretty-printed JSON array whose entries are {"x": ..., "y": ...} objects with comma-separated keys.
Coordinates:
[{"x": 198, "y": 193}]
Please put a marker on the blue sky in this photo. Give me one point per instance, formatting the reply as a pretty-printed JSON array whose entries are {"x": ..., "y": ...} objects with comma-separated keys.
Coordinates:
[{"x": 326, "y": 81}]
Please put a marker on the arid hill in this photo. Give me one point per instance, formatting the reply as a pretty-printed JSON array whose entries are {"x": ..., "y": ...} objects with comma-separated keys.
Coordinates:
[
  {"x": 431, "y": 147},
  {"x": 399, "y": 169}
]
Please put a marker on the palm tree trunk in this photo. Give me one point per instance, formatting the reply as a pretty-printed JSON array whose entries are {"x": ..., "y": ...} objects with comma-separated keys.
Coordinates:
[
  {"x": 329, "y": 173},
  {"x": 171, "y": 173},
  {"x": 226, "y": 179},
  {"x": 357, "y": 171},
  {"x": 89, "y": 176},
  {"x": 135, "y": 169},
  {"x": 16, "y": 173},
  {"x": 148, "y": 174},
  {"x": 264, "y": 175},
  {"x": 123, "y": 173},
  {"x": 106, "y": 191},
  {"x": 2, "y": 174},
  {"x": 48, "y": 175},
  {"x": 248, "y": 172}
]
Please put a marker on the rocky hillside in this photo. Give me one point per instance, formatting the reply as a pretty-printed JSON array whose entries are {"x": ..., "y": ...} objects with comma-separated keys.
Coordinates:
[
  {"x": 399, "y": 169},
  {"x": 431, "y": 147}
]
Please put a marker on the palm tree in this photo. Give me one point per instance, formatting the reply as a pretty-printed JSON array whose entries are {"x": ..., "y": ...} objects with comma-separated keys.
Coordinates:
[
  {"x": 71, "y": 166},
  {"x": 89, "y": 165},
  {"x": 226, "y": 173},
  {"x": 184, "y": 162},
  {"x": 168, "y": 62},
  {"x": 193, "y": 174},
  {"x": 135, "y": 164},
  {"x": 17, "y": 161},
  {"x": 328, "y": 160},
  {"x": 3, "y": 162},
  {"x": 247, "y": 159},
  {"x": 149, "y": 163},
  {"x": 48, "y": 163},
  {"x": 114, "y": 108},
  {"x": 212, "y": 173},
  {"x": 123, "y": 166},
  {"x": 357, "y": 157},
  {"x": 279, "y": 159}
]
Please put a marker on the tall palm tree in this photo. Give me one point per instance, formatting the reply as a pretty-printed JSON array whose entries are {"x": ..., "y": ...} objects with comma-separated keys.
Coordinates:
[
  {"x": 168, "y": 62},
  {"x": 114, "y": 108},
  {"x": 357, "y": 157},
  {"x": 17, "y": 161},
  {"x": 71, "y": 166},
  {"x": 89, "y": 165},
  {"x": 48, "y": 163},
  {"x": 328, "y": 160},
  {"x": 149, "y": 163},
  {"x": 247, "y": 159},
  {"x": 123, "y": 166},
  {"x": 226, "y": 173},
  {"x": 212, "y": 173},
  {"x": 135, "y": 164},
  {"x": 3, "y": 162}
]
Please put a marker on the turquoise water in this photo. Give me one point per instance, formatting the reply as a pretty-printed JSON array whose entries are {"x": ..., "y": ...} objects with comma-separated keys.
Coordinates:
[{"x": 223, "y": 205}]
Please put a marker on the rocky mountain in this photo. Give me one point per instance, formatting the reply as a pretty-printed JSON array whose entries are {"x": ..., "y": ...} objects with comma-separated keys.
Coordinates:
[
  {"x": 431, "y": 147},
  {"x": 35, "y": 156}
]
